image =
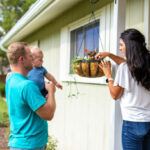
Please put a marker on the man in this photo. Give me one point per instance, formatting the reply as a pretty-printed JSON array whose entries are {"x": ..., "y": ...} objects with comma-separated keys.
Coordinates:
[{"x": 28, "y": 109}]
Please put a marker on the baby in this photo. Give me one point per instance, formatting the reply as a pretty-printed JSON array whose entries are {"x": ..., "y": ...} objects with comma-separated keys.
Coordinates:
[{"x": 38, "y": 72}]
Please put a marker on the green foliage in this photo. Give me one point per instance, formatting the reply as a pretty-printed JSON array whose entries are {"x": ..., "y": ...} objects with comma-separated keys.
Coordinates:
[
  {"x": 52, "y": 143},
  {"x": 2, "y": 89},
  {"x": 77, "y": 60},
  {"x": 4, "y": 120},
  {"x": 3, "y": 61},
  {"x": 2, "y": 54},
  {"x": 3, "y": 106},
  {"x": 11, "y": 12}
]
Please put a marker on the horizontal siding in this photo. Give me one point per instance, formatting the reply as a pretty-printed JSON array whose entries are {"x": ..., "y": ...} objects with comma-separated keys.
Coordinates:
[
  {"x": 83, "y": 122},
  {"x": 135, "y": 14}
]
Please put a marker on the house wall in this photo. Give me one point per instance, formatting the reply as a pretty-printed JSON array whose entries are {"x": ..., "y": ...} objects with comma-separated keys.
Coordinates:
[{"x": 83, "y": 121}]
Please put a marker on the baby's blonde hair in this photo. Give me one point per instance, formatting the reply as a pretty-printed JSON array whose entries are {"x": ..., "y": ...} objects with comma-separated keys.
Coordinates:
[{"x": 35, "y": 51}]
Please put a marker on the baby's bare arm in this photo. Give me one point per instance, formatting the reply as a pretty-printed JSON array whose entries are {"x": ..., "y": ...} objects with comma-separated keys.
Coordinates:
[{"x": 51, "y": 78}]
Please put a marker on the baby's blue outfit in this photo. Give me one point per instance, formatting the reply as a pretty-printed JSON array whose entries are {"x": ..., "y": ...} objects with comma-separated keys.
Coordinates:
[
  {"x": 37, "y": 75},
  {"x": 27, "y": 129}
]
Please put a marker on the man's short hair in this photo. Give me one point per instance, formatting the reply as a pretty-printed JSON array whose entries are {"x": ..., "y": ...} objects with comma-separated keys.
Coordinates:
[{"x": 15, "y": 50}]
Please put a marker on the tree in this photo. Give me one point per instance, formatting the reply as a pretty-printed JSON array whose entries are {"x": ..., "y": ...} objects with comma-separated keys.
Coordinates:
[{"x": 12, "y": 11}]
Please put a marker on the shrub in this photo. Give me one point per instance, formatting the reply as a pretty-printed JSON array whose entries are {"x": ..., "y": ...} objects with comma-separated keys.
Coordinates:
[
  {"x": 2, "y": 89},
  {"x": 4, "y": 120},
  {"x": 52, "y": 143}
]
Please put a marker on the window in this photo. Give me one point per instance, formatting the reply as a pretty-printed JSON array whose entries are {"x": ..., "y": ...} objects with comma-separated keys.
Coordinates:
[
  {"x": 85, "y": 37},
  {"x": 80, "y": 35}
]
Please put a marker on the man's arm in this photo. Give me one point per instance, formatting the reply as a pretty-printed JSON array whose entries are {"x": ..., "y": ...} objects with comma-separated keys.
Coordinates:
[{"x": 48, "y": 109}]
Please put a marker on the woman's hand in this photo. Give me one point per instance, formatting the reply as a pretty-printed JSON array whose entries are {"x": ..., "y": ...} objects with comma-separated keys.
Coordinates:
[
  {"x": 115, "y": 58},
  {"x": 115, "y": 91},
  {"x": 102, "y": 55},
  {"x": 106, "y": 67}
]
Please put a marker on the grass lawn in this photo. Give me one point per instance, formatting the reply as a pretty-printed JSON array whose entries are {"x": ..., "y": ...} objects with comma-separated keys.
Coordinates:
[
  {"x": 3, "y": 106},
  {"x": 4, "y": 125},
  {"x": 3, "y": 113}
]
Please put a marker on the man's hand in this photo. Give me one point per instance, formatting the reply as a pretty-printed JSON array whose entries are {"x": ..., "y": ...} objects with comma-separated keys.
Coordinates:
[
  {"x": 50, "y": 87},
  {"x": 48, "y": 109}
]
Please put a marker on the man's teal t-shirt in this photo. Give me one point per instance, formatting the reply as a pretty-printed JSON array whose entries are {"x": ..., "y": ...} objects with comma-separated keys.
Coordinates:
[{"x": 27, "y": 129}]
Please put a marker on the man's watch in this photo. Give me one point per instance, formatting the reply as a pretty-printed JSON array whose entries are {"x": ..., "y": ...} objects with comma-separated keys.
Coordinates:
[{"x": 109, "y": 79}]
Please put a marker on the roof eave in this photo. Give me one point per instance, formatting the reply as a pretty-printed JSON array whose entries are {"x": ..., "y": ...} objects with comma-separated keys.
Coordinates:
[{"x": 30, "y": 21}]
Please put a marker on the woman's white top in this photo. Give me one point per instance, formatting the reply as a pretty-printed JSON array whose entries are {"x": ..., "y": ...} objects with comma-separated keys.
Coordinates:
[{"x": 135, "y": 101}]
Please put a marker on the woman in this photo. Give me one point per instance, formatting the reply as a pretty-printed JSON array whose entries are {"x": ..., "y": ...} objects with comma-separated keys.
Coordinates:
[{"x": 132, "y": 87}]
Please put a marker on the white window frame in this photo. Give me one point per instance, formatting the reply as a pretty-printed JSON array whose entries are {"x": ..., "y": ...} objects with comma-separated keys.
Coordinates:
[{"x": 65, "y": 46}]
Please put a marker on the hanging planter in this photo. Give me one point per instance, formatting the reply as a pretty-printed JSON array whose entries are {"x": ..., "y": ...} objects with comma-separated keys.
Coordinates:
[{"x": 87, "y": 67}]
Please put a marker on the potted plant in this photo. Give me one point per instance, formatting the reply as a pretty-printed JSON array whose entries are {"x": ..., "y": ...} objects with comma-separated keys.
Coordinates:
[{"x": 87, "y": 66}]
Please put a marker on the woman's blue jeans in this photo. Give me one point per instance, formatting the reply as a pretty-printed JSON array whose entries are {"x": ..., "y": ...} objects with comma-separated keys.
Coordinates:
[{"x": 136, "y": 135}]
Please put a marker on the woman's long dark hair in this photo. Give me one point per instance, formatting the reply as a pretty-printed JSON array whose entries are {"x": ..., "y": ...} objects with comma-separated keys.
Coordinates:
[{"x": 138, "y": 56}]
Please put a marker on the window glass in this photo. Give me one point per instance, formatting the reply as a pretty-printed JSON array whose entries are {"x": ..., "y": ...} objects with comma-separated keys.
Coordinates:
[{"x": 85, "y": 37}]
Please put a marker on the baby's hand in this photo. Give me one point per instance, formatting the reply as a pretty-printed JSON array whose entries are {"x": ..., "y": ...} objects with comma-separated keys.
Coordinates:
[{"x": 59, "y": 86}]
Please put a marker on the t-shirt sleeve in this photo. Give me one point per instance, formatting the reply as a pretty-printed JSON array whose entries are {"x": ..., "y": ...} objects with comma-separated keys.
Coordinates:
[
  {"x": 122, "y": 77},
  {"x": 32, "y": 96},
  {"x": 44, "y": 71}
]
